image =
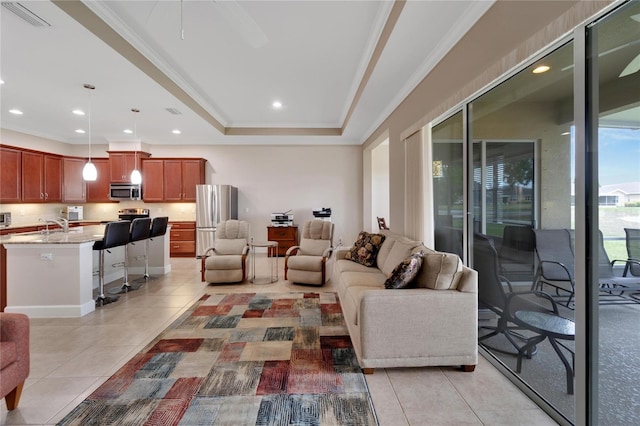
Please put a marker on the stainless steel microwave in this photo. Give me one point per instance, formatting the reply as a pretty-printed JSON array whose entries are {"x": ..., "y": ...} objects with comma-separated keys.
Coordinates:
[
  {"x": 5, "y": 219},
  {"x": 125, "y": 191}
]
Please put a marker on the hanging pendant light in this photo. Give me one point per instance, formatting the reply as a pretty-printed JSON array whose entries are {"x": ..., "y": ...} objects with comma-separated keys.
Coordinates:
[
  {"x": 136, "y": 177},
  {"x": 89, "y": 172}
]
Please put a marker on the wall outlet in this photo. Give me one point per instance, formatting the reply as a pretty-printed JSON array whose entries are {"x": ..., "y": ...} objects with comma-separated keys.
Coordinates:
[{"x": 46, "y": 256}]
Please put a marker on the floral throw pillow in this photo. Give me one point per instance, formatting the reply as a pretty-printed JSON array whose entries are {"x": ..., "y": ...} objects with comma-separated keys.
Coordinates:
[
  {"x": 403, "y": 274},
  {"x": 365, "y": 249}
]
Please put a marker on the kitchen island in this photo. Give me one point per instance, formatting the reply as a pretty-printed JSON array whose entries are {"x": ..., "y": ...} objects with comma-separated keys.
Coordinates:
[{"x": 52, "y": 275}]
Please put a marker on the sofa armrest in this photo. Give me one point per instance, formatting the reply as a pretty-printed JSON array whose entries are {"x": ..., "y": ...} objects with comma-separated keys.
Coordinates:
[
  {"x": 341, "y": 252},
  {"x": 407, "y": 322}
]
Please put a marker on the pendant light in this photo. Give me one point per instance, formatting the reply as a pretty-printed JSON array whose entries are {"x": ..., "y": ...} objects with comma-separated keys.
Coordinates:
[
  {"x": 136, "y": 177},
  {"x": 89, "y": 172}
]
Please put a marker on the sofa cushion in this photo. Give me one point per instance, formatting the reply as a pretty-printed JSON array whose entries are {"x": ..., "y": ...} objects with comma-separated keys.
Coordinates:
[
  {"x": 403, "y": 274},
  {"x": 385, "y": 249},
  {"x": 365, "y": 250},
  {"x": 230, "y": 246},
  {"x": 440, "y": 271},
  {"x": 358, "y": 279},
  {"x": 399, "y": 252},
  {"x": 349, "y": 266}
]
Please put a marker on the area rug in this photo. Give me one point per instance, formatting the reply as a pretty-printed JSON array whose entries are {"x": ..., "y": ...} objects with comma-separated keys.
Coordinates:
[{"x": 240, "y": 359}]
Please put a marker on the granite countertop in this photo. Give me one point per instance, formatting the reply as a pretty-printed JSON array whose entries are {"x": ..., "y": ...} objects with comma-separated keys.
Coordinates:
[{"x": 77, "y": 235}]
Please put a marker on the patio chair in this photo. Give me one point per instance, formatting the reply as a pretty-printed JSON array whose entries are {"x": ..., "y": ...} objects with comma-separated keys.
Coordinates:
[
  {"x": 517, "y": 251},
  {"x": 616, "y": 285},
  {"x": 495, "y": 293},
  {"x": 556, "y": 267},
  {"x": 554, "y": 249},
  {"x": 633, "y": 252}
]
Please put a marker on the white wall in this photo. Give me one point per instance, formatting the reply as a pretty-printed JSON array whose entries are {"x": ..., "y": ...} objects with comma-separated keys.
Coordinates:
[
  {"x": 380, "y": 183},
  {"x": 269, "y": 179},
  {"x": 279, "y": 178}
]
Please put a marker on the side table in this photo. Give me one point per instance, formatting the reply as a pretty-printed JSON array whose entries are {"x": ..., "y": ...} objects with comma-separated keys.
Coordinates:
[
  {"x": 550, "y": 327},
  {"x": 272, "y": 248}
]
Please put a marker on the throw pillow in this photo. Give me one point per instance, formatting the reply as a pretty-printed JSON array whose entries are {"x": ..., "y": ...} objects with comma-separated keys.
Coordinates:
[
  {"x": 365, "y": 249},
  {"x": 403, "y": 274}
]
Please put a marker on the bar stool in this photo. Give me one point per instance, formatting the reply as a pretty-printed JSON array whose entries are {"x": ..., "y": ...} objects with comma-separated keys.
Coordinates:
[
  {"x": 140, "y": 229},
  {"x": 158, "y": 229},
  {"x": 115, "y": 234}
]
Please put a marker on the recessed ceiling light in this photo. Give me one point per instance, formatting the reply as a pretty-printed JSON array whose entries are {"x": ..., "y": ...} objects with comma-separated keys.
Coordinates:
[
  {"x": 80, "y": 131},
  {"x": 16, "y": 111},
  {"x": 540, "y": 69},
  {"x": 176, "y": 132},
  {"x": 1, "y": 81},
  {"x": 565, "y": 133},
  {"x": 277, "y": 104},
  {"x": 78, "y": 112},
  {"x": 128, "y": 131}
]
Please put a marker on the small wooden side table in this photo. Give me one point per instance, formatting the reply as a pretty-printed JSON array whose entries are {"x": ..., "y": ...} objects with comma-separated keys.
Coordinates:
[{"x": 272, "y": 247}]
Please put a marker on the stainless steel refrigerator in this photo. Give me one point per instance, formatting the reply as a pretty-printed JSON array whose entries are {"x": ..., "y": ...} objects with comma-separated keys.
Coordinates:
[{"x": 214, "y": 204}]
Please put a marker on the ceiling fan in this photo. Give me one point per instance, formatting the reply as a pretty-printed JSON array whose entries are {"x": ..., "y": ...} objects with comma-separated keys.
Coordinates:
[{"x": 238, "y": 18}]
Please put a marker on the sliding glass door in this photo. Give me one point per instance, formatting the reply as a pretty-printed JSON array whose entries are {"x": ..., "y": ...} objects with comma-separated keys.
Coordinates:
[{"x": 613, "y": 67}]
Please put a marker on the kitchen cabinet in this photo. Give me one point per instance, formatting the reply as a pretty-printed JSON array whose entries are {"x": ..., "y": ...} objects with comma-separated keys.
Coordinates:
[
  {"x": 286, "y": 236},
  {"x": 153, "y": 180},
  {"x": 73, "y": 185},
  {"x": 121, "y": 164},
  {"x": 181, "y": 175},
  {"x": 182, "y": 241},
  {"x": 98, "y": 190},
  {"x": 10, "y": 175},
  {"x": 41, "y": 177}
]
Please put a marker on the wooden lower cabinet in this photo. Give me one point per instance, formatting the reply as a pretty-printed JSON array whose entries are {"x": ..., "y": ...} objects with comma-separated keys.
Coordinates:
[
  {"x": 286, "y": 236},
  {"x": 182, "y": 241}
]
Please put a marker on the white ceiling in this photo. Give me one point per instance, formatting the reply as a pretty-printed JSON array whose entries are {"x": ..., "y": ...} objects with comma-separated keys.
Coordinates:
[{"x": 235, "y": 59}]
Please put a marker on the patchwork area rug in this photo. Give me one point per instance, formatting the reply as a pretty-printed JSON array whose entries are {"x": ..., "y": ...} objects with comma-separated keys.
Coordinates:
[{"x": 240, "y": 359}]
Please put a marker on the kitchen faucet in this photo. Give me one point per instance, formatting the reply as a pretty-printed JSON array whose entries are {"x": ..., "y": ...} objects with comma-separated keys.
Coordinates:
[{"x": 61, "y": 222}]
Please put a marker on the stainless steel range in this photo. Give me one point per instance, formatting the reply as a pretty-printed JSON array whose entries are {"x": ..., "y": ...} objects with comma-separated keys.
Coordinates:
[{"x": 130, "y": 214}]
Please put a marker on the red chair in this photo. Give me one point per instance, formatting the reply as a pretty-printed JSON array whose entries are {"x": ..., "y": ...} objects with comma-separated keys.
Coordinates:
[{"x": 14, "y": 356}]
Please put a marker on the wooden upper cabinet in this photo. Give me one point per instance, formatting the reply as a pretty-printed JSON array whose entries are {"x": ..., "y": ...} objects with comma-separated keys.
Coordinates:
[
  {"x": 121, "y": 164},
  {"x": 32, "y": 180},
  {"x": 152, "y": 179},
  {"x": 10, "y": 175},
  {"x": 73, "y": 185},
  {"x": 193, "y": 173},
  {"x": 173, "y": 180},
  {"x": 181, "y": 175},
  {"x": 41, "y": 177},
  {"x": 98, "y": 190}
]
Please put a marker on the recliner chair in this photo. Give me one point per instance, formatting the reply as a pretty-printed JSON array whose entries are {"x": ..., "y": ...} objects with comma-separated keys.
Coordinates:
[
  {"x": 226, "y": 261},
  {"x": 307, "y": 263}
]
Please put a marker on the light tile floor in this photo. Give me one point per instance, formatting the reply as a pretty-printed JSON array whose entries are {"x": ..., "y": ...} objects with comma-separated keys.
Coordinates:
[{"x": 71, "y": 357}]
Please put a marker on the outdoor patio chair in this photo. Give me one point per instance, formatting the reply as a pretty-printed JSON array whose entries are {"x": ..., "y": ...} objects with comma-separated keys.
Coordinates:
[
  {"x": 495, "y": 293},
  {"x": 517, "y": 251},
  {"x": 616, "y": 285},
  {"x": 556, "y": 268},
  {"x": 554, "y": 249},
  {"x": 633, "y": 252}
]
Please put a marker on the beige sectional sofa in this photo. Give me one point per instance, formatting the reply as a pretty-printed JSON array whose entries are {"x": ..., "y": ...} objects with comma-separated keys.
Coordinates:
[{"x": 433, "y": 323}]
